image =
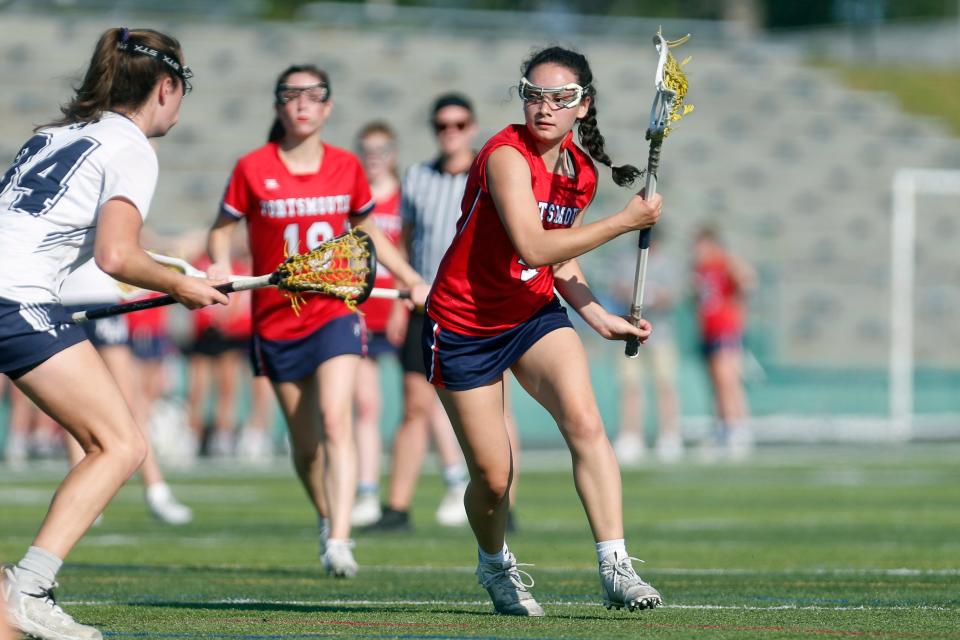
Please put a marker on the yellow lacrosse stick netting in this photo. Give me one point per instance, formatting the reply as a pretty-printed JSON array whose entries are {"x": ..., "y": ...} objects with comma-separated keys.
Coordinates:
[{"x": 343, "y": 267}]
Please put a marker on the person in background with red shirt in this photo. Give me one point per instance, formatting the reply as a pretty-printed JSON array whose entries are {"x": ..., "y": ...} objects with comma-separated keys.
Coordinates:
[
  {"x": 376, "y": 146},
  {"x": 493, "y": 308},
  {"x": 296, "y": 192},
  {"x": 721, "y": 282}
]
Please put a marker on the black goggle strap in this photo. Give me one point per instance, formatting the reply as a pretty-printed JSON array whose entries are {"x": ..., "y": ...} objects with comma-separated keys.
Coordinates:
[
  {"x": 281, "y": 88},
  {"x": 181, "y": 71}
]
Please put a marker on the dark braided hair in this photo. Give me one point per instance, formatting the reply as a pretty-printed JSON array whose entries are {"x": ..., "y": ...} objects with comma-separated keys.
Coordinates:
[{"x": 590, "y": 137}]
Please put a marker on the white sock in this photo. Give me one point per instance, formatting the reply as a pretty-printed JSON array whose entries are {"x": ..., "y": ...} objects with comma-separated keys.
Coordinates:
[
  {"x": 607, "y": 547},
  {"x": 368, "y": 489},
  {"x": 455, "y": 475},
  {"x": 159, "y": 492},
  {"x": 487, "y": 558},
  {"x": 38, "y": 568}
]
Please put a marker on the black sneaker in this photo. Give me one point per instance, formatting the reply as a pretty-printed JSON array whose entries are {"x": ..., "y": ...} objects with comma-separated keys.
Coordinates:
[{"x": 390, "y": 520}]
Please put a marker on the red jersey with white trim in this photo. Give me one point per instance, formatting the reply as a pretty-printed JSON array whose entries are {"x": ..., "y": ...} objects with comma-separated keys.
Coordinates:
[
  {"x": 289, "y": 214},
  {"x": 718, "y": 300},
  {"x": 483, "y": 287},
  {"x": 386, "y": 215}
]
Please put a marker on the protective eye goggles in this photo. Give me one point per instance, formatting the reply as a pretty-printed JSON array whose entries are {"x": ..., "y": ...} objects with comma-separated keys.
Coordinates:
[
  {"x": 566, "y": 97},
  {"x": 317, "y": 92}
]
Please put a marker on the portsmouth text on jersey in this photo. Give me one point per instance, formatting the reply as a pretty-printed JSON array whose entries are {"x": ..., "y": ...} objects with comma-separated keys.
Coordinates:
[
  {"x": 558, "y": 214},
  {"x": 296, "y": 207}
]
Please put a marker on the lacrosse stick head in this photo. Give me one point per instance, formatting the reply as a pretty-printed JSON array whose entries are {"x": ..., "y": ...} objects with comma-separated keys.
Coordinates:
[
  {"x": 671, "y": 85},
  {"x": 344, "y": 267}
]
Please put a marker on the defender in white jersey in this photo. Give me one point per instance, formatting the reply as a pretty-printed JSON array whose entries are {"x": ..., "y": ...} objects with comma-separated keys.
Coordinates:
[{"x": 80, "y": 188}]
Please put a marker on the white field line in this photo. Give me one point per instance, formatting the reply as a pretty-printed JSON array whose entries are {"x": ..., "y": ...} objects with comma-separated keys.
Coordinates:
[{"x": 478, "y": 603}]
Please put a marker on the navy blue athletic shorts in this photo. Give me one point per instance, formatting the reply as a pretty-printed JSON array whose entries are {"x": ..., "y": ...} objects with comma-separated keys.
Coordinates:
[
  {"x": 458, "y": 362},
  {"x": 290, "y": 360},
  {"x": 31, "y": 333}
]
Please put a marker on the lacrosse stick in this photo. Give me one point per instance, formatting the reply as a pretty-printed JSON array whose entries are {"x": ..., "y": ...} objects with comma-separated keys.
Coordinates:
[
  {"x": 668, "y": 107},
  {"x": 344, "y": 267}
]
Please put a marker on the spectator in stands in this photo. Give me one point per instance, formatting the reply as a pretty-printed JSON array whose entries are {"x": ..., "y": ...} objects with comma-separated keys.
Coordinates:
[
  {"x": 721, "y": 283},
  {"x": 295, "y": 192},
  {"x": 659, "y": 357}
]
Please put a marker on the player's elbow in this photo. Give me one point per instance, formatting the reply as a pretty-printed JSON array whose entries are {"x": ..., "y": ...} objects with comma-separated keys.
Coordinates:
[
  {"x": 111, "y": 260},
  {"x": 532, "y": 257}
]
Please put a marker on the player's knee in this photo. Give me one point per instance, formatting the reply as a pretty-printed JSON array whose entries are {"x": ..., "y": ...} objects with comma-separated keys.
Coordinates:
[
  {"x": 493, "y": 485},
  {"x": 585, "y": 426},
  {"x": 129, "y": 451}
]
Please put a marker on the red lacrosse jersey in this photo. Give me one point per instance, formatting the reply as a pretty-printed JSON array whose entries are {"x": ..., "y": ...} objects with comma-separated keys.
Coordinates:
[
  {"x": 288, "y": 214},
  {"x": 233, "y": 320},
  {"x": 483, "y": 287},
  {"x": 718, "y": 301},
  {"x": 386, "y": 215}
]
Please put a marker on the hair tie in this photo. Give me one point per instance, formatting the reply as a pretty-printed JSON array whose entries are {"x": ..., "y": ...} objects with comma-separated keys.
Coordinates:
[{"x": 124, "y": 35}]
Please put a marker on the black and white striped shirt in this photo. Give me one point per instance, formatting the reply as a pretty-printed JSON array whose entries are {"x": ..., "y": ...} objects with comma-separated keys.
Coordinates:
[{"x": 430, "y": 205}]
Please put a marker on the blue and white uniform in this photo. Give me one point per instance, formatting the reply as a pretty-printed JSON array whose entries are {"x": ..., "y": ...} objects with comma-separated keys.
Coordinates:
[
  {"x": 90, "y": 288},
  {"x": 50, "y": 200}
]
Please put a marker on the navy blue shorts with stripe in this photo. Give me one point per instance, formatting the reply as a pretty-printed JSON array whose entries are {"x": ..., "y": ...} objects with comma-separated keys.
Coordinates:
[
  {"x": 458, "y": 362},
  {"x": 291, "y": 360},
  {"x": 30, "y": 334},
  {"x": 105, "y": 332}
]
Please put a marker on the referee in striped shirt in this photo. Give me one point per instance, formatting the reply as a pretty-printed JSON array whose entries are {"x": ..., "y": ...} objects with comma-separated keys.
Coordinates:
[{"x": 430, "y": 207}]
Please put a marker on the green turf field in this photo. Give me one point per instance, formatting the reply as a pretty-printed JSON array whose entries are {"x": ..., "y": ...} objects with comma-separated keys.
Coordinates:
[{"x": 801, "y": 543}]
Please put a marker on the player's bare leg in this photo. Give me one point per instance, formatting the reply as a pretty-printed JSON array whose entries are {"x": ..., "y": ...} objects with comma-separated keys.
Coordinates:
[
  {"x": 556, "y": 373},
  {"x": 369, "y": 407},
  {"x": 478, "y": 420}
]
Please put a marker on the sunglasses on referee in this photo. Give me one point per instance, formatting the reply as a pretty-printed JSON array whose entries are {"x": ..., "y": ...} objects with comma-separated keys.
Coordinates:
[{"x": 441, "y": 126}]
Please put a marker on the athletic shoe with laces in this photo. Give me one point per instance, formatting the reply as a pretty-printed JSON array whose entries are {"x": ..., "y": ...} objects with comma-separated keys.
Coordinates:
[
  {"x": 504, "y": 582},
  {"x": 622, "y": 587},
  {"x": 451, "y": 512},
  {"x": 165, "y": 507},
  {"x": 338, "y": 559},
  {"x": 366, "y": 510},
  {"x": 38, "y": 615}
]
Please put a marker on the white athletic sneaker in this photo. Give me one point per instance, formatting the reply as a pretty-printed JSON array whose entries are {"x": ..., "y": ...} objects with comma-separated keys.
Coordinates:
[
  {"x": 38, "y": 615},
  {"x": 622, "y": 587},
  {"x": 451, "y": 512},
  {"x": 504, "y": 582},
  {"x": 739, "y": 443},
  {"x": 366, "y": 510},
  {"x": 221, "y": 444},
  {"x": 629, "y": 447},
  {"x": 254, "y": 445},
  {"x": 338, "y": 559},
  {"x": 669, "y": 448},
  {"x": 165, "y": 507}
]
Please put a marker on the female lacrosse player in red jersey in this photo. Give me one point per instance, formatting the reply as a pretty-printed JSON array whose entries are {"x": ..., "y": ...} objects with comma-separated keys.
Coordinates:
[
  {"x": 493, "y": 308},
  {"x": 376, "y": 145},
  {"x": 296, "y": 192},
  {"x": 721, "y": 282},
  {"x": 81, "y": 187}
]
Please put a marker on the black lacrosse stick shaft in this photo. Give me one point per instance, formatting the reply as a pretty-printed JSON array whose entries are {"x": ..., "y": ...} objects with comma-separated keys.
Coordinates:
[{"x": 632, "y": 347}]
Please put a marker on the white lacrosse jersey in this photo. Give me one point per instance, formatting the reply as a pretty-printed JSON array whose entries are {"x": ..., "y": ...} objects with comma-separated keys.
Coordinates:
[
  {"x": 50, "y": 200},
  {"x": 88, "y": 284}
]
